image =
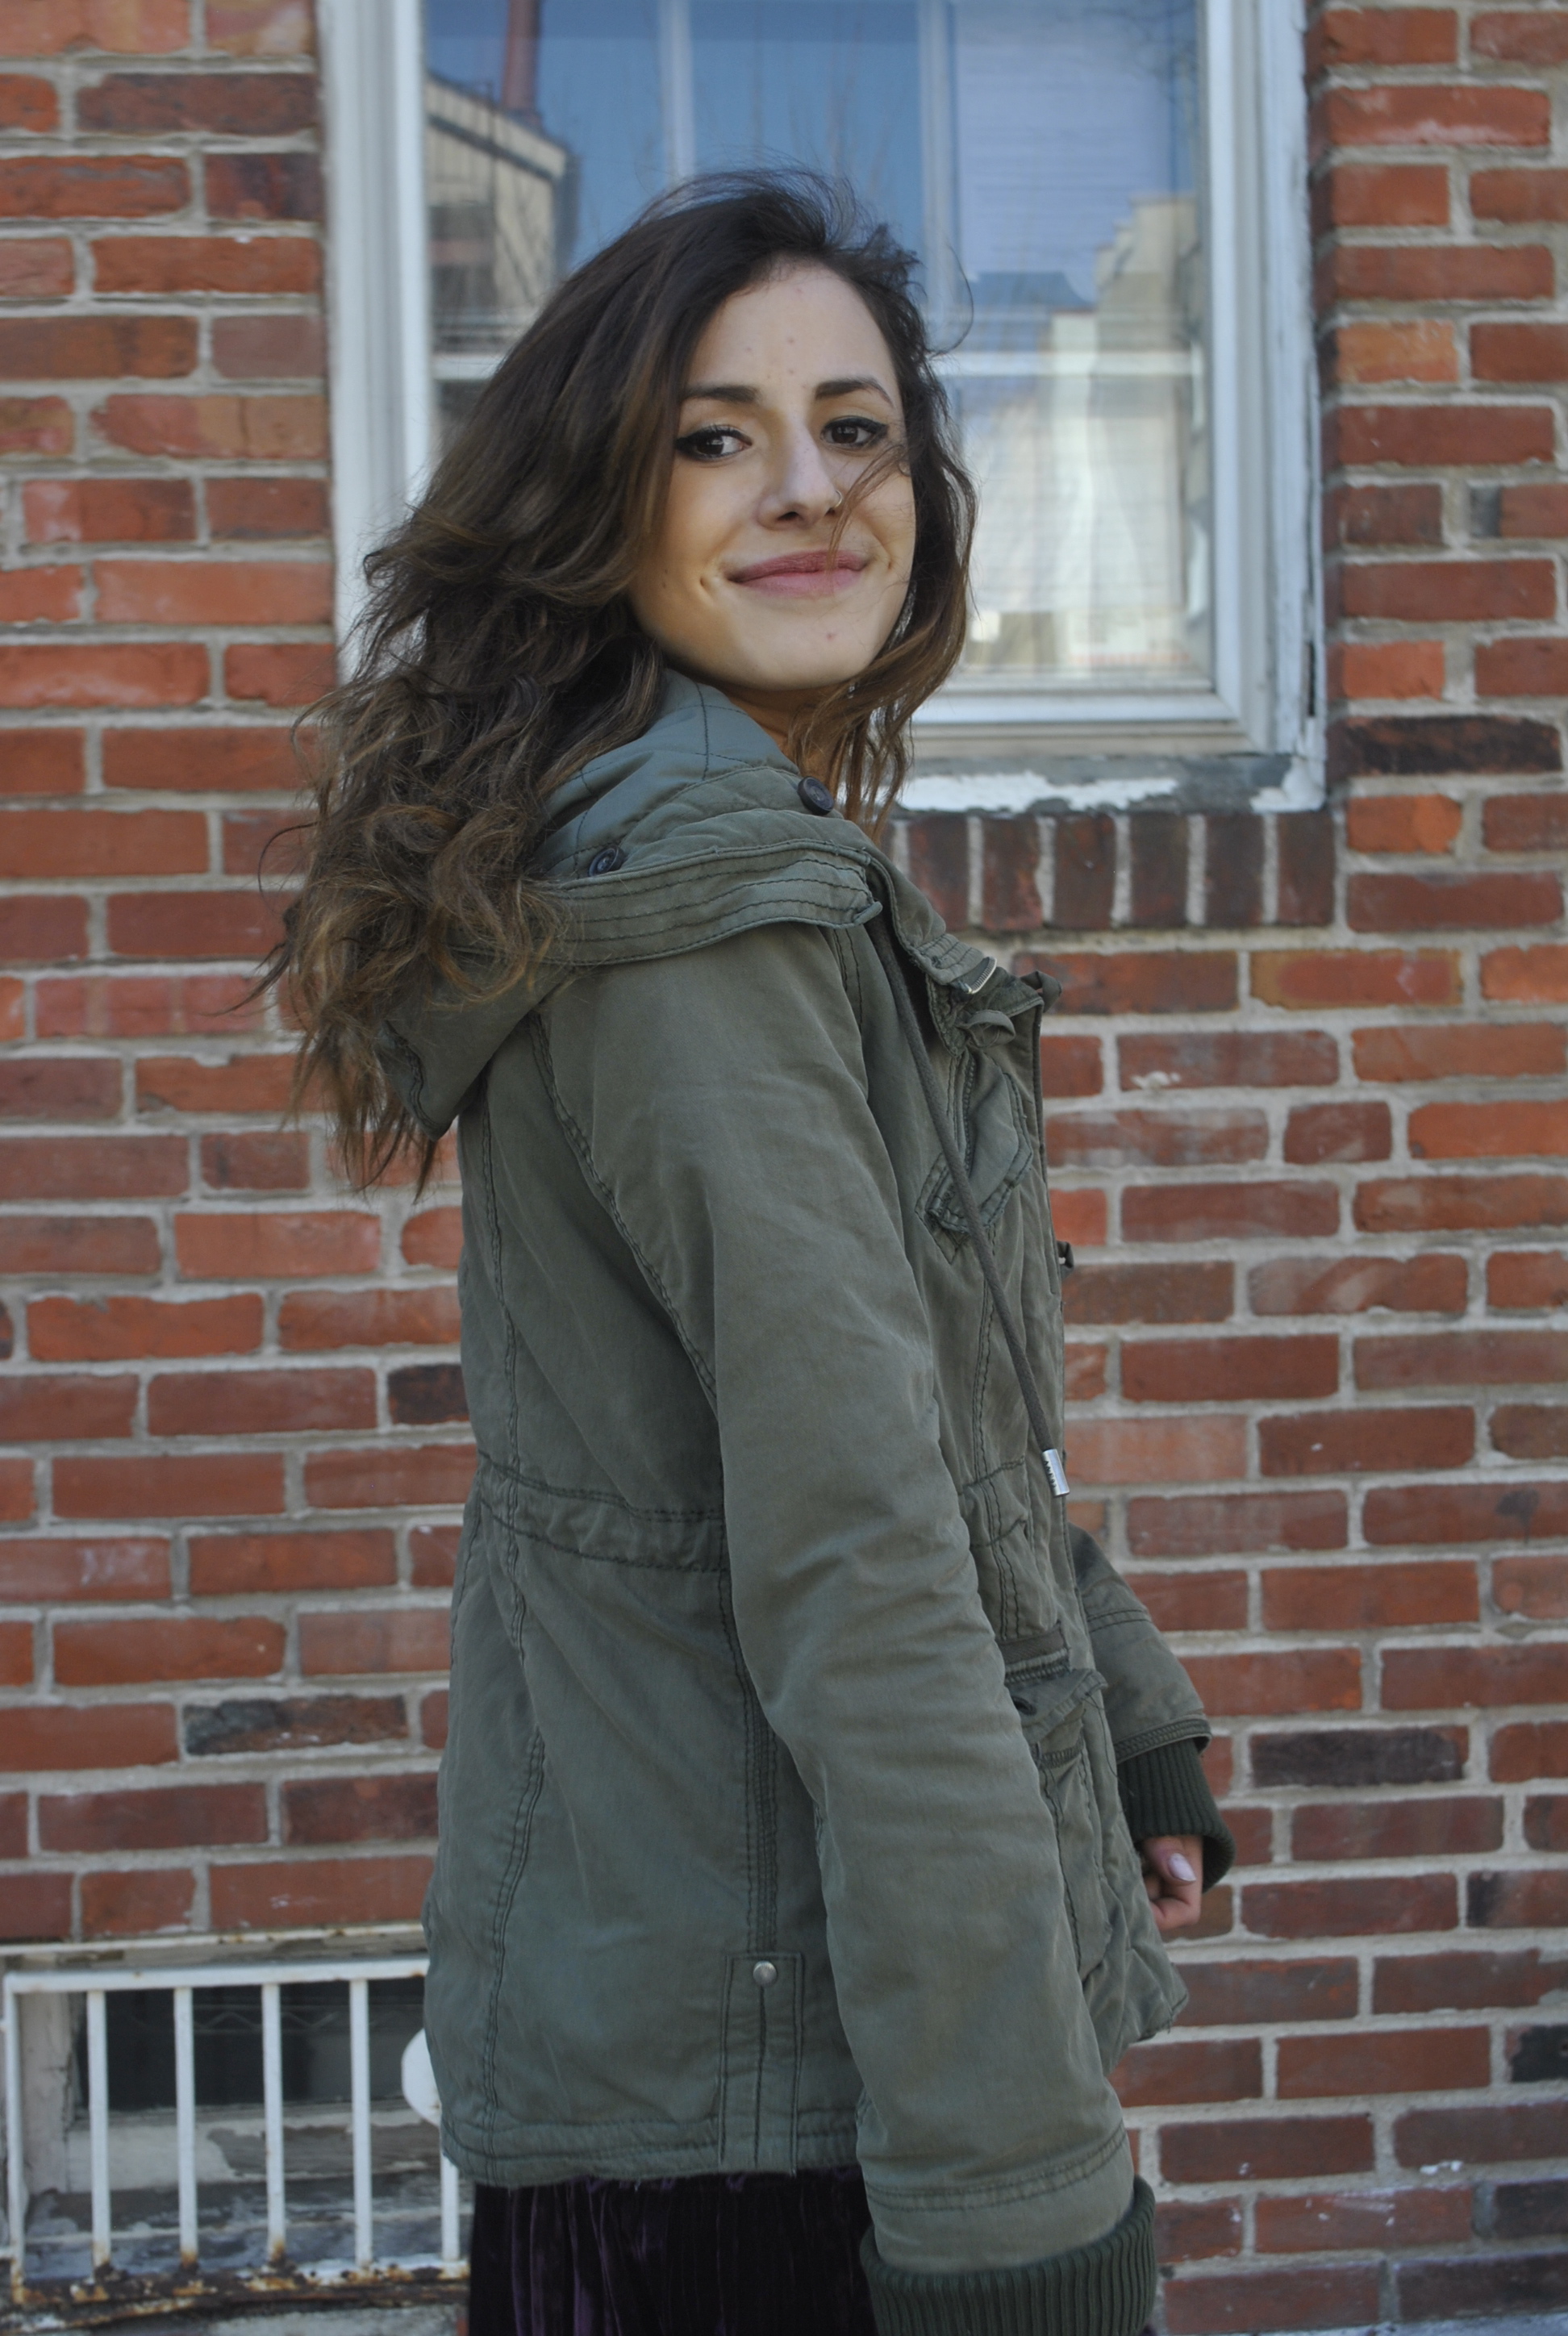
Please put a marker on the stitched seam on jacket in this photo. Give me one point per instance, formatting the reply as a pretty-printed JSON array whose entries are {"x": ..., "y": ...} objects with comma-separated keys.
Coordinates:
[
  {"x": 589, "y": 1492},
  {"x": 761, "y": 1842}
]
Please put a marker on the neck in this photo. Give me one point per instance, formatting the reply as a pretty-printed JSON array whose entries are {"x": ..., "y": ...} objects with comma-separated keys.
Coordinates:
[{"x": 774, "y": 710}]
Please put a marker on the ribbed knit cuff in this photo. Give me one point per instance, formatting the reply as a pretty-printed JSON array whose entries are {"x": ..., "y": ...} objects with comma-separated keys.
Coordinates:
[
  {"x": 1104, "y": 2289},
  {"x": 1166, "y": 1791}
]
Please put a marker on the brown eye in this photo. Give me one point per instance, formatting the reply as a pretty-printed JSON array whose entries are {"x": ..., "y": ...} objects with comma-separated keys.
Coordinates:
[
  {"x": 711, "y": 443},
  {"x": 855, "y": 430}
]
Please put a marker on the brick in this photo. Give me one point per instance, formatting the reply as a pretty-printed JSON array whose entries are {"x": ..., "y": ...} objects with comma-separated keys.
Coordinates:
[
  {"x": 1334, "y": 1830},
  {"x": 283, "y": 672},
  {"x": 1070, "y": 1067},
  {"x": 207, "y": 263},
  {"x": 1536, "y": 1587},
  {"x": 1395, "y": 746},
  {"x": 1460, "y": 1359},
  {"x": 35, "y": 929},
  {"x": 1520, "y": 1278},
  {"x": 1234, "y": 870},
  {"x": 1511, "y": 2282},
  {"x": 1189, "y": 2232},
  {"x": 1514, "y": 194},
  {"x": 69, "y": 1087},
  {"x": 1147, "y": 1293},
  {"x": 208, "y": 761},
  {"x": 1207, "y": 1370},
  {"x": 1139, "y": 1451},
  {"x": 1529, "y": 2210},
  {"x": 278, "y": 427},
  {"x": 55, "y": 844},
  {"x": 1531, "y": 1431},
  {"x": 1360, "y": 1758},
  {"x": 1442, "y": 1203},
  {"x": 1336, "y": 978},
  {"x": 1383, "y": 1440},
  {"x": 261, "y": 28},
  {"x": 131, "y": 27},
  {"x": 36, "y": 425},
  {"x": 1427, "y": 823},
  {"x": 1519, "y": 352},
  {"x": 256, "y": 1164},
  {"x": 100, "y": 186},
  {"x": 53, "y": 1572},
  {"x": 1432, "y": 436},
  {"x": 325, "y": 1810},
  {"x": 1409, "y": 903},
  {"x": 1527, "y": 977},
  {"x": 267, "y": 843},
  {"x": 214, "y": 592},
  {"x": 1521, "y": 668},
  {"x": 43, "y": 348},
  {"x": 1266, "y": 2150},
  {"x": 1405, "y": 513},
  {"x": 27, "y": 103},
  {"x": 1321, "y": 1678},
  {"x": 423, "y": 1316},
  {"x": 320, "y": 1891},
  {"x": 1319, "y": 2296},
  {"x": 1546, "y": 1824},
  {"x": 143, "y": 1005},
  {"x": 232, "y": 924},
  {"x": 1382, "y": 36},
  {"x": 1449, "y": 591},
  {"x": 238, "y": 1083},
  {"x": 277, "y": 1245},
  {"x": 1465, "y": 1980},
  {"x": 1366, "y": 1597},
  {"x": 1419, "y": 1285},
  {"x": 1475, "y": 2135},
  {"x": 170, "y": 1817},
  {"x": 227, "y": 105},
  {"x": 1190, "y": 2069},
  {"x": 57, "y": 1245},
  {"x": 1461, "y": 1050},
  {"x": 1206, "y": 1525},
  {"x": 1387, "y": 2219},
  {"x": 1520, "y": 37},
  {"x": 238, "y": 1565},
  {"x": 1319, "y": 1133},
  {"x": 1086, "y": 861},
  {"x": 1430, "y": 115},
  {"x": 36, "y": 1906},
  {"x": 1261, "y": 1209},
  {"x": 1149, "y": 981},
  {"x": 1400, "y": 2060},
  {"x": 1192, "y": 1602},
  {"x": 16, "y": 1654},
  {"x": 421, "y": 1394},
  {"x": 1496, "y": 1130},
  {"x": 1434, "y": 1514},
  {"x": 1229, "y": 1058},
  {"x": 1381, "y": 349},
  {"x": 109, "y": 510},
  {"x": 256, "y": 1725},
  {"x": 14, "y": 1825},
  {"x": 1535, "y": 822},
  {"x": 40, "y": 596},
  {"x": 432, "y": 1720},
  {"x": 1267, "y": 1993},
  {"x": 1351, "y": 1907},
  {"x": 61, "y": 1736},
  {"x": 1156, "y": 1138},
  {"x": 259, "y": 1403},
  {"x": 432, "y": 1474},
  {"x": 282, "y": 186},
  {"x": 435, "y": 1237},
  {"x": 35, "y": 267},
  {"x": 1305, "y": 871},
  {"x": 1428, "y": 272},
  {"x": 1534, "y": 510},
  {"x": 18, "y": 1491},
  {"x": 1157, "y": 854},
  {"x": 102, "y": 673},
  {"x": 1431, "y": 1678},
  {"x": 180, "y": 1485},
  {"x": 1368, "y": 669},
  {"x": 172, "y": 1647},
  {"x": 136, "y": 1903},
  {"x": 258, "y": 509},
  {"x": 43, "y": 762},
  {"x": 1380, "y": 194},
  {"x": 91, "y": 1167},
  {"x": 55, "y": 1406},
  {"x": 432, "y": 1556}
]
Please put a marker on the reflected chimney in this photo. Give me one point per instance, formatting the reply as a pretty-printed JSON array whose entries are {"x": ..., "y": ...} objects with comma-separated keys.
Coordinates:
[{"x": 520, "y": 65}]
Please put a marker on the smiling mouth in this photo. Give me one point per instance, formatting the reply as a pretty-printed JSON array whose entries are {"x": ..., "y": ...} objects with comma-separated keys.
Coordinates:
[{"x": 803, "y": 575}]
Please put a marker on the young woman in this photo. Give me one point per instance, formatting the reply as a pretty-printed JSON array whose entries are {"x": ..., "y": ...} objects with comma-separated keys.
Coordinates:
[{"x": 787, "y": 1914}]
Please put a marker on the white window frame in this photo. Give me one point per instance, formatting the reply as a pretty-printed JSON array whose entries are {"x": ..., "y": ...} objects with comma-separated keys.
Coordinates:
[{"x": 1266, "y": 692}]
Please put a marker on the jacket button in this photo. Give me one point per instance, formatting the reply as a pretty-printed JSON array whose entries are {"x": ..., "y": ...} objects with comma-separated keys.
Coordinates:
[
  {"x": 766, "y": 1974},
  {"x": 815, "y": 796},
  {"x": 606, "y": 862}
]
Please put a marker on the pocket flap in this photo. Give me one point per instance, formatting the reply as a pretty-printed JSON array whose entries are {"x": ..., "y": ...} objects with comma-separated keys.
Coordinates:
[{"x": 1044, "y": 1702}]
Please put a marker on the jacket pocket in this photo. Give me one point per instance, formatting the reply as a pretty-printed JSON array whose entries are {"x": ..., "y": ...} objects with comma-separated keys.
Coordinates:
[
  {"x": 993, "y": 1121},
  {"x": 1050, "y": 1706}
]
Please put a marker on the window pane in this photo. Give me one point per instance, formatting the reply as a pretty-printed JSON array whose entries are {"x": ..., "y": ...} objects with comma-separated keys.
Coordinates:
[{"x": 1042, "y": 156}]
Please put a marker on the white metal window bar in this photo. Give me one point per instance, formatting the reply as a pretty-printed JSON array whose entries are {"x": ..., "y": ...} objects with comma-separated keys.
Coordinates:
[{"x": 96, "y": 1983}]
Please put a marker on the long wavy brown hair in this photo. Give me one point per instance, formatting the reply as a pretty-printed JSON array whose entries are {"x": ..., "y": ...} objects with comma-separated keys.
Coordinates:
[{"x": 498, "y": 653}]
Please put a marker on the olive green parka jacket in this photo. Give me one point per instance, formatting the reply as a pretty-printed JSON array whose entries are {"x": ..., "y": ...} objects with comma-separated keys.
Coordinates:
[{"x": 782, "y": 1818}]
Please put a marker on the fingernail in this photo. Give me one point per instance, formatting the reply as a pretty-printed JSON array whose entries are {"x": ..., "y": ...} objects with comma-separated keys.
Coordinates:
[{"x": 1180, "y": 1869}]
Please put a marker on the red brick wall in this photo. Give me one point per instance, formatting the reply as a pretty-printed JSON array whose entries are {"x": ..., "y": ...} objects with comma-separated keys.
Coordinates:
[{"x": 1308, "y": 1118}]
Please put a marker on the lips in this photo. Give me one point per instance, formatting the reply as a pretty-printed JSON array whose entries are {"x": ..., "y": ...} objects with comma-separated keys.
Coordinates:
[{"x": 803, "y": 575}]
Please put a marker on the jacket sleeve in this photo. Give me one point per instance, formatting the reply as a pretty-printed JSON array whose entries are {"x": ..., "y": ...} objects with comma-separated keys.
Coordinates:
[
  {"x": 1158, "y": 1726},
  {"x": 718, "y": 1103}
]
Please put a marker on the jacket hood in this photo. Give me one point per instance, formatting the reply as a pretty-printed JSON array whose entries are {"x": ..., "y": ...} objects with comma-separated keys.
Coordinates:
[{"x": 711, "y": 837}]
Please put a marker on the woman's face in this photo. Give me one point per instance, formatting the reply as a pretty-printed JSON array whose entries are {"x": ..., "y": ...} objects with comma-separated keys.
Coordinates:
[{"x": 792, "y": 396}]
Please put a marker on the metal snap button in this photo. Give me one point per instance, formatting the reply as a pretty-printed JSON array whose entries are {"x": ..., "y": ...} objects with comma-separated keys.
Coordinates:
[
  {"x": 764, "y": 1974},
  {"x": 606, "y": 862},
  {"x": 815, "y": 796}
]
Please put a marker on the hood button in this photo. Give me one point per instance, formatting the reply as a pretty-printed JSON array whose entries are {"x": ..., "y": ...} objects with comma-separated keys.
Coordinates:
[
  {"x": 764, "y": 1974},
  {"x": 606, "y": 862},
  {"x": 815, "y": 796}
]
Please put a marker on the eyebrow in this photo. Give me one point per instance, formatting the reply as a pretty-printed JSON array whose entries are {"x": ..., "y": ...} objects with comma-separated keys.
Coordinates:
[{"x": 741, "y": 393}]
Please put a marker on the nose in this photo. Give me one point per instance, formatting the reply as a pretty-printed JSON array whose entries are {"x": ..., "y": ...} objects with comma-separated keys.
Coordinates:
[{"x": 801, "y": 489}]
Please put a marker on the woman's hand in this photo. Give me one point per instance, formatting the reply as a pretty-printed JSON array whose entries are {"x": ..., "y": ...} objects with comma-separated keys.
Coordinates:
[{"x": 1174, "y": 1878}]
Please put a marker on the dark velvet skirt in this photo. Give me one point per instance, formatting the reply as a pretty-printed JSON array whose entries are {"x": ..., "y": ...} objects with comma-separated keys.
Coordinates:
[{"x": 708, "y": 2255}]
